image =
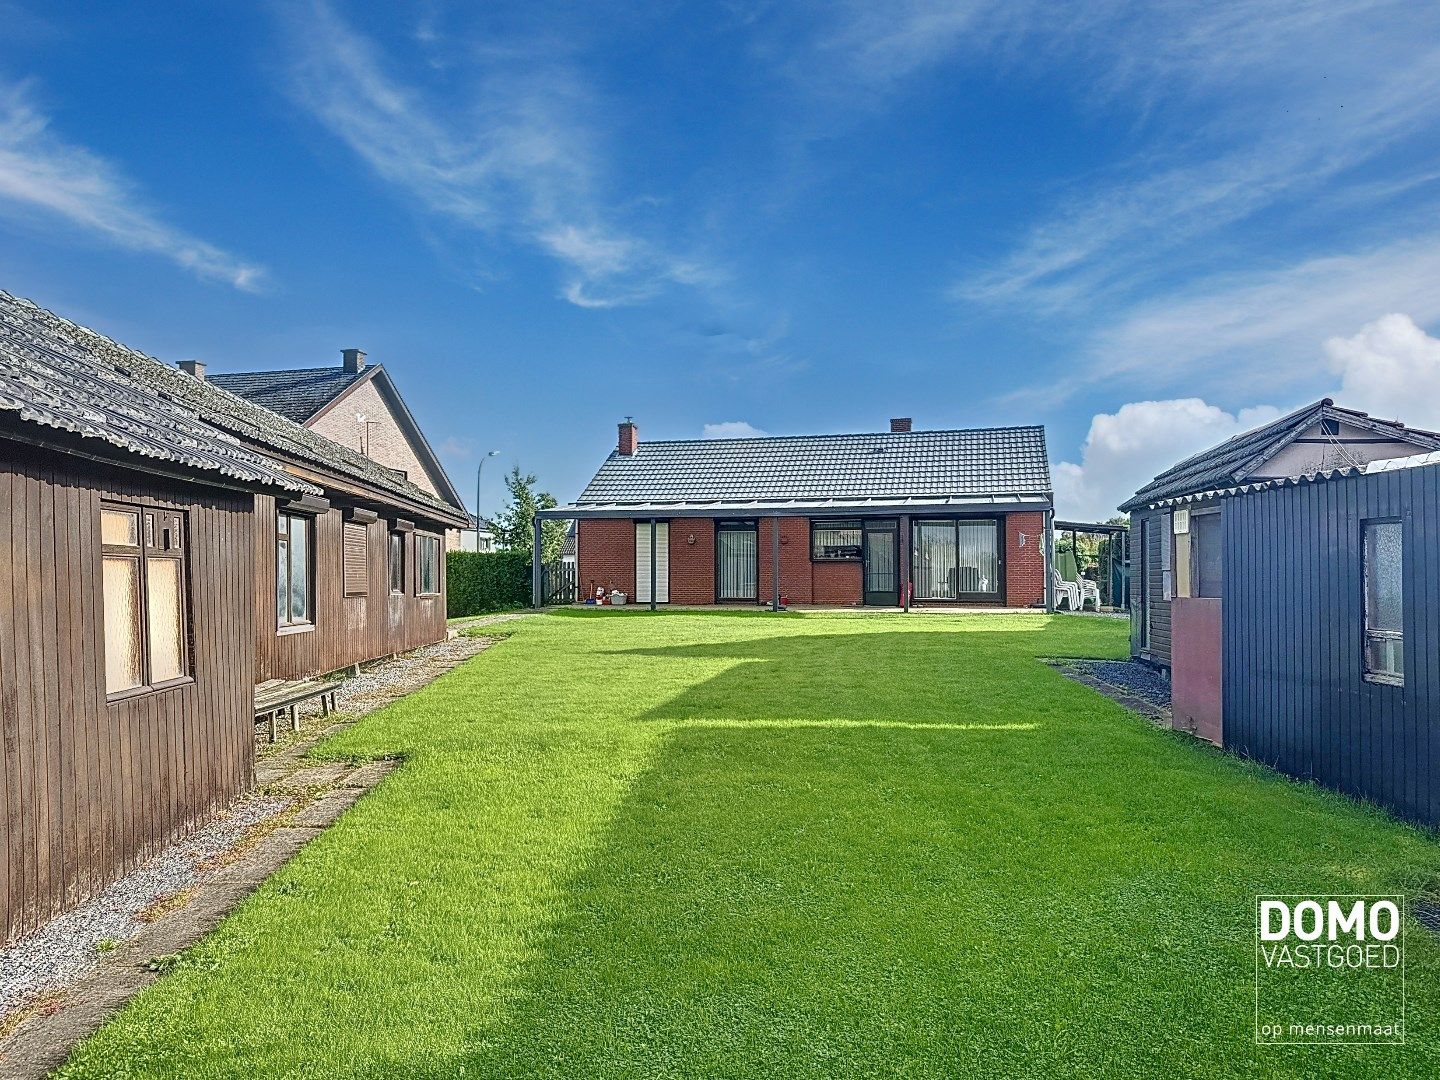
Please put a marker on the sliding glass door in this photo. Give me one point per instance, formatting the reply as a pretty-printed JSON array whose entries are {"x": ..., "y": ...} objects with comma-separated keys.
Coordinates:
[
  {"x": 736, "y": 571},
  {"x": 957, "y": 559}
]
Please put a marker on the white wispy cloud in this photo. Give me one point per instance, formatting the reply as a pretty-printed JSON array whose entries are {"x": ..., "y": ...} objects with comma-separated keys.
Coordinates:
[
  {"x": 1229, "y": 122},
  {"x": 45, "y": 177},
  {"x": 733, "y": 429},
  {"x": 518, "y": 156},
  {"x": 1260, "y": 332}
]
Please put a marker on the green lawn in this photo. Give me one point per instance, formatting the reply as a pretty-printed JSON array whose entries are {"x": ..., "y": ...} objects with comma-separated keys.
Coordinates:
[{"x": 775, "y": 846}]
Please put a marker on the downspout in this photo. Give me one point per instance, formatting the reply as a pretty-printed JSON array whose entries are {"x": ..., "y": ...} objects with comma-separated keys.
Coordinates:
[{"x": 1050, "y": 603}]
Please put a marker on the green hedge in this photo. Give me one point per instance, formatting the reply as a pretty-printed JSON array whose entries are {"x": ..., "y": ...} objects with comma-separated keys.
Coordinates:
[{"x": 486, "y": 581}]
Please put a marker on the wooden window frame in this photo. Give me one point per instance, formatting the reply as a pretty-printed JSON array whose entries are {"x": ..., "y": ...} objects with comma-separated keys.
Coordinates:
[
  {"x": 142, "y": 554},
  {"x": 420, "y": 589},
  {"x": 288, "y": 625},
  {"x": 390, "y": 566}
]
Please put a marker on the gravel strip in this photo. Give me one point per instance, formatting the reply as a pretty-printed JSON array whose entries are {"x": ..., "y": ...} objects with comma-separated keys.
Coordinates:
[
  {"x": 69, "y": 946},
  {"x": 1129, "y": 675}
]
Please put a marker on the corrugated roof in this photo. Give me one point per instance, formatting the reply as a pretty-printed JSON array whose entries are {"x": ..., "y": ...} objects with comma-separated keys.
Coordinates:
[
  {"x": 229, "y": 412},
  {"x": 298, "y": 394},
  {"x": 56, "y": 380},
  {"x": 878, "y": 466},
  {"x": 1226, "y": 465}
]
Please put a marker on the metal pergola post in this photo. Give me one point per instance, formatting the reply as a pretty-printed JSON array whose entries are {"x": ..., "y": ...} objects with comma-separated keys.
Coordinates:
[
  {"x": 1050, "y": 561},
  {"x": 905, "y": 561},
  {"x": 775, "y": 564},
  {"x": 537, "y": 569}
]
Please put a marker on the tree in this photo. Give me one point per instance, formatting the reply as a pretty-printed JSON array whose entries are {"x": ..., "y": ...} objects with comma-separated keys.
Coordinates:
[{"x": 513, "y": 526}]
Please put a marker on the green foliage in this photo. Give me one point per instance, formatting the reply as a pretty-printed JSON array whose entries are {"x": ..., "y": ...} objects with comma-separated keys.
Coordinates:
[
  {"x": 480, "y": 582},
  {"x": 513, "y": 526},
  {"x": 757, "y": 846}
]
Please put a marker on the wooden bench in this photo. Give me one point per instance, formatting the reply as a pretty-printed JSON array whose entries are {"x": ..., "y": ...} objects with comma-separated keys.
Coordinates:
[{"x": 279, "y": 696}]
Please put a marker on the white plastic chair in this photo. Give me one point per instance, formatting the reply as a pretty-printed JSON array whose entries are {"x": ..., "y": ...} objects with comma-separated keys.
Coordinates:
[{"x": 1067, "y": 593}]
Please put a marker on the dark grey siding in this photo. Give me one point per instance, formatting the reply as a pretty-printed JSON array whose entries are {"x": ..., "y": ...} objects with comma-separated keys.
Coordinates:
[{"x": 1295, "y": 694}]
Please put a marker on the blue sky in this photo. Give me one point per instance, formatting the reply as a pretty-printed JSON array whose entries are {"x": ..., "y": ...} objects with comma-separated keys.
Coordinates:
[{"x": 1145, "y": 226}]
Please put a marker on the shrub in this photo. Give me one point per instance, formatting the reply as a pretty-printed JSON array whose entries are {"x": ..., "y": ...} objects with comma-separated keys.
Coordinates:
[{"x": 480, "y": 582}]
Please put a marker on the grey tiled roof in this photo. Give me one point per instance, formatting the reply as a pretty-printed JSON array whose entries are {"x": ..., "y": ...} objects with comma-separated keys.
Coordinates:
[
  {"x": 252, "y": 423},
  {"x": 979, "y": 461},
  {"x": 59, "y": 380},
  {"x": 298, "y": 394},
  {"x": 1225, "y": 465}
]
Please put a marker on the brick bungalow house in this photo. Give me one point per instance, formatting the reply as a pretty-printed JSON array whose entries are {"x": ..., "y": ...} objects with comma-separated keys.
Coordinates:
[{"x": 884, "y": 519}]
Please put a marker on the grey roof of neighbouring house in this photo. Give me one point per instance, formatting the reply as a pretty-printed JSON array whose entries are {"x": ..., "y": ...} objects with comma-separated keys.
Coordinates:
[
  {"x": 52, "y": 378},
  {"x": 1224, "y": 466},
  {"x": 298, "y": 394},
  {"x": 977, "y": 464},
  {"x": 235, "y": 415}
]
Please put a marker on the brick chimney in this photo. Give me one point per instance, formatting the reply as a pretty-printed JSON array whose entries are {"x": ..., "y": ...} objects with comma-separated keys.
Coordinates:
[
  {"x": 352, "y": 360},
  {"x": 629, "y": 436},
  {"x": 193, "y": 367},
  {"x": 900, "y": 423}
]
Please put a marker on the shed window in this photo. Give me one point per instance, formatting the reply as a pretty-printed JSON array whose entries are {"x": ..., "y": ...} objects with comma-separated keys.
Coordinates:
[
  {"x": 1205, "y": 555},
  {"x": 1384, "y": 603},
  {"x": 294, "y": 577},
  {"x": 397, "y": 563},
  {"x": 143, "y": 583},
  {"x": 835, "y": 539},
  {"x": 427, "y": 565}
]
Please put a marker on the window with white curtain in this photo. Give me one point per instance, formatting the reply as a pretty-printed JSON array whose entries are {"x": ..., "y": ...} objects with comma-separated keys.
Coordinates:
[
  {"x": 294, "y": 586},
  {"x": 956, "y": 558},
  {"x": 736, "y": 567},
  {"x": 835, "y": 539}
]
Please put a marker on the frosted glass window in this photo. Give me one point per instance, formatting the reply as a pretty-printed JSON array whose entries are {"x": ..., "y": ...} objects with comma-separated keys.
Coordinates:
[
  {"x": 1384, "y": 602},
  {"x": 164, "y": 607},
  {"x": 120, "y": 527},
  {"x": 397, "y": 562},
  {"x": 143, "y": 584},
  {"x": 123, "y": 660}
]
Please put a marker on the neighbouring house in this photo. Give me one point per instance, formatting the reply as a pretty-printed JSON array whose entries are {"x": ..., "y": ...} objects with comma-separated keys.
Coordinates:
[
  {"x": 356, "y": 405},
  {"x": 1179, "y": 576},
  {"x": 1331, "y": 630},
  {"x": 167, "y": 545},
  {"x": 883, "y": 519}
]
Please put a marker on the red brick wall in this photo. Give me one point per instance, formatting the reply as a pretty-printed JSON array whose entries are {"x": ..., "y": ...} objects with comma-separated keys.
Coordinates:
[
  {"x": 1024, "y": 566},
  {"x": 692, "y": 566},
  {"x": 605, "y": 556},
  {"x": 836, "y": 583}
]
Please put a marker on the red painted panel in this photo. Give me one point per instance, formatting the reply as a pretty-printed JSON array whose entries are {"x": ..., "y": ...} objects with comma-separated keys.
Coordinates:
[{"x": 1195, "y": 686}]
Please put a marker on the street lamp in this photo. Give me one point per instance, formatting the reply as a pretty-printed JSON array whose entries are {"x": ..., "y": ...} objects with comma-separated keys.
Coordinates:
[{"x": 478, "y": 470}]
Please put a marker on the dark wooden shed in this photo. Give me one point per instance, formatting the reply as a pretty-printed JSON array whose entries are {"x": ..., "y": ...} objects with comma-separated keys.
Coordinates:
[
  {"x": 1331, "y": 631},
  {"x": 164, "y": 546}
]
